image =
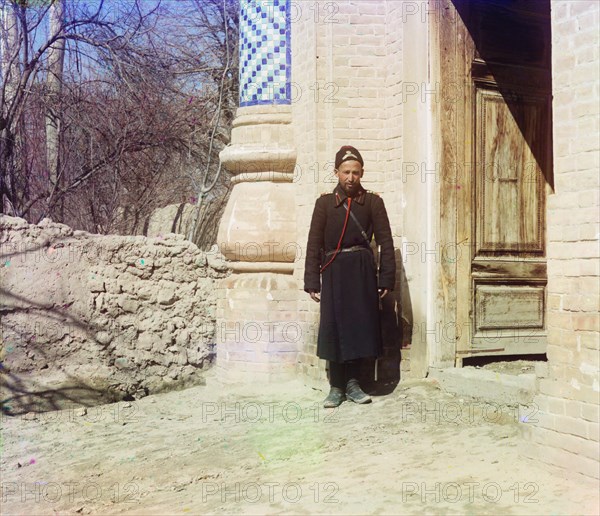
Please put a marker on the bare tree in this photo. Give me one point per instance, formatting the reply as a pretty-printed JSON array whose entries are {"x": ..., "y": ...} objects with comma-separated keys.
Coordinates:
[
  {"x": 115, "y": 112},
  {"x": 56, "y": 56},
  {"x": 10, "y": 69},
  {"x": 203, "y": 187}
]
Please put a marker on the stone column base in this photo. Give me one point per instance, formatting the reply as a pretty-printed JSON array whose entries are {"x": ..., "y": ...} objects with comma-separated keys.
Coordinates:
[{"x": 257, "y": 334}]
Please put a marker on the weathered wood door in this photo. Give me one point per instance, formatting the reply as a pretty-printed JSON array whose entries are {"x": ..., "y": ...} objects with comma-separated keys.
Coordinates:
[{"x": 495, "y": 66}]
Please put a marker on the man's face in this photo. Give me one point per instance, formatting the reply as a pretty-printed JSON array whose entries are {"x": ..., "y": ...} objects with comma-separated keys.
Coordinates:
[{"x": 349, "y": 174}]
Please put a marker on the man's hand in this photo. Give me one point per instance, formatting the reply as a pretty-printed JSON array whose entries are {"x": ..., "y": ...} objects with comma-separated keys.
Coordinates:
[
  {"x": 383, "y": 292},
  {"x": 314, "y": 295}
]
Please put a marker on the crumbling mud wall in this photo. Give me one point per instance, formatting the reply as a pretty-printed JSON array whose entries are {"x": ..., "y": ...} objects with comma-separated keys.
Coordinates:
[{"x": 90, "y": 317}]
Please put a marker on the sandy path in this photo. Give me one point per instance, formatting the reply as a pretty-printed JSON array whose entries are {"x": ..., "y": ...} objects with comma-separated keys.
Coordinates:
[{"x": 231, "y": 449}]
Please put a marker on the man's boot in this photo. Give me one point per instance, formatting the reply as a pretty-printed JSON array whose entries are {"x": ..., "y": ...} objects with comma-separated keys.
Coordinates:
[
  {"x": 334, "y": 398},
  {"x": 355, "y": 393}
]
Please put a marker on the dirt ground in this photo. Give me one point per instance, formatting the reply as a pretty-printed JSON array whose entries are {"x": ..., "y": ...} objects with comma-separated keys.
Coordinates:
[{"x": 272, "y": 449}]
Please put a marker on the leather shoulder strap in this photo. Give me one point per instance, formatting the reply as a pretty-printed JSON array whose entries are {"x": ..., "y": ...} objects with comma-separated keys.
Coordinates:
[{"x": 355, "y": 220}]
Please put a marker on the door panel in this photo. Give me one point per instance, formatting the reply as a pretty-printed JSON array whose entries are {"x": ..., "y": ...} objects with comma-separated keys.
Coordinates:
[
  {"x": 501, "y": 50},
  {"x": 510, "y": 211}
]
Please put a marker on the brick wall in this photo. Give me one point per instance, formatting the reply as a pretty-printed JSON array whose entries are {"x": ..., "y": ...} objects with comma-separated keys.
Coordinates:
[{"x": 567, "y": 431}]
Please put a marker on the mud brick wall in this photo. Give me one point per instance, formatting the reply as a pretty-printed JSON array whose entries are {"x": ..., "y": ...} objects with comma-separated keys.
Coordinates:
[{"x": 92, "y": 317}]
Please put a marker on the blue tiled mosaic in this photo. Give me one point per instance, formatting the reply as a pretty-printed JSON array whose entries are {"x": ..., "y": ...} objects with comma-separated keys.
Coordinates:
[{"x": 265, "y": 54}]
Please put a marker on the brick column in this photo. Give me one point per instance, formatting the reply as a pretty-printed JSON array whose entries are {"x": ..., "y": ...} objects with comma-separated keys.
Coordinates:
[{"x": 257, "y": 332}]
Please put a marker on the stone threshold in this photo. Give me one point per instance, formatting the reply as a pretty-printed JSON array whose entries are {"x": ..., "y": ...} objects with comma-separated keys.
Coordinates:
[{"x": 491, "y": 385}]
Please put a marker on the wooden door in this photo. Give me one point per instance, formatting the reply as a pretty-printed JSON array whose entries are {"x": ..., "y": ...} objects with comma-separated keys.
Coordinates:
[{"x": 497, "y": 144}]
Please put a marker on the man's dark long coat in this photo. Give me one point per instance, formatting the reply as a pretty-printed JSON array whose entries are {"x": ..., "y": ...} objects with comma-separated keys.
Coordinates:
[{"x": 350, "y": 326}]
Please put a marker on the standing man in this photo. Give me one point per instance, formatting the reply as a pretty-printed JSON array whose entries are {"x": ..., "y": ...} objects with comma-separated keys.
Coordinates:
[{"x": 340, "y": 273}]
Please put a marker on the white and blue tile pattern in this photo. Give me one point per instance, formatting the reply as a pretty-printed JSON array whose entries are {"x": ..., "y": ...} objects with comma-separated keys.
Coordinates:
[{"x": 265, "y": 55}]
